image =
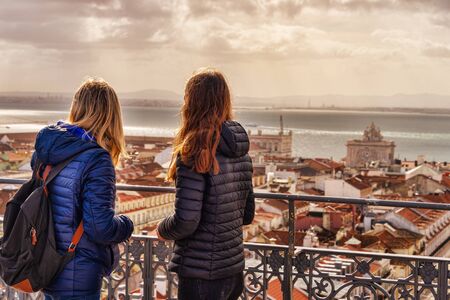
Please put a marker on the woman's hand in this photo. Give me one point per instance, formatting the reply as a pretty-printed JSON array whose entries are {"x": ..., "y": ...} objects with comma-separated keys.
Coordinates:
[{"x": 158, "y": 235}]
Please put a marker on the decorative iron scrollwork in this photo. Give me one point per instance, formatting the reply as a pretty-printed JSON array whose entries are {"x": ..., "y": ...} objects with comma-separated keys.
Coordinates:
[
  {"x": 301, "y": 263},
  {"x": 363, "y": 267},
  {"x": 161, "y": 251},
  {"x": 136, "y": 249},
  {"x": 323, "y": 289},
  {"x": 276, "y": 261},
  {"x": 404, "y": 293},
  {"x": 428, "y": 272},
  {"x": 356, "y": 275}
]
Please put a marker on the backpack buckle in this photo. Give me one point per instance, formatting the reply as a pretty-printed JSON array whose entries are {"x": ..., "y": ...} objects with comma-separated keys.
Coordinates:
[{"x": 72, "y": 247}]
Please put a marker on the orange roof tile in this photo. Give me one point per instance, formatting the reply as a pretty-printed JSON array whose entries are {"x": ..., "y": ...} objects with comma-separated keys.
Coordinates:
[
  {"x": 123, "y": 197},
  {"x": 278, "y": 204},
  {"x": 275, "y": 292},
  {"x": 446, "y": 179},
  {"x": 358, "y": 183},
  {"x": 317, "y": 165},
  {"x": 440, "y": 198},
  {"x": 420, "y": 217},
  {"x": 281, "y": 237}
]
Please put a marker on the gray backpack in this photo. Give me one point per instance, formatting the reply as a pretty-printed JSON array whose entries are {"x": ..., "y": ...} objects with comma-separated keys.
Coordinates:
[{"x": 29, "y": 260}]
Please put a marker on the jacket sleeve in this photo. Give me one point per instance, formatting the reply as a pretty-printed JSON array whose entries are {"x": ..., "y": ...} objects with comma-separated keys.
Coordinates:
[
  {"x": 249, "y": 212},
  {"x": 190, "y": 188},
  {"x": 98, "y": 197}
]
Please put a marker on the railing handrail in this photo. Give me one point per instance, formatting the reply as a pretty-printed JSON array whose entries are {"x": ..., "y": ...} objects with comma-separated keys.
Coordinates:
[
  {"x": 328, "y": 251},
  {"x": 288, "y": 197},
  {"x": 291, "y": 252}
]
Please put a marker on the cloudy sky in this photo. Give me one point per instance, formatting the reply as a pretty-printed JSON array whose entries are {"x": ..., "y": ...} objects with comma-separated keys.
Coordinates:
[{"x": 265, "y": 47}]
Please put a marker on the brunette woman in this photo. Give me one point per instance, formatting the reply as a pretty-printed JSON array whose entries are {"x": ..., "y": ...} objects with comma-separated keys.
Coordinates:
[
  {"x": 85, "y": 189},
  {"x": 214, "y": 195}
]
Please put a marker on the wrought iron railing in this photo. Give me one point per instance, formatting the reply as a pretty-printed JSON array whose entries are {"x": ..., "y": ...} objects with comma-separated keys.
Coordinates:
[
  {"x": 144, "y": 261},
  {"x": 293, "y": 272}
]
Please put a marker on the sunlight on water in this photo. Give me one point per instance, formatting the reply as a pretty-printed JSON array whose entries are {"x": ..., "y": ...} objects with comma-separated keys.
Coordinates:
[{"x": 315, "y": 134}]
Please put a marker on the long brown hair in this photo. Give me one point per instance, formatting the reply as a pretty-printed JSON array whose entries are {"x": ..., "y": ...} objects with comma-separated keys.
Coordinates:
[
  {"x": 96, "y": 109},
  {"x": 207, "y": 104}
]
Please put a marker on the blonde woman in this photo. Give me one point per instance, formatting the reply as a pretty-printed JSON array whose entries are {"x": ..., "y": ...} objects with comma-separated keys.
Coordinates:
[{"x": 84, "y": 191}]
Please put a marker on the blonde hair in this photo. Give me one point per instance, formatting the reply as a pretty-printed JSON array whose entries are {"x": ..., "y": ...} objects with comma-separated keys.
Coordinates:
[{"x": 96, "y": 109}]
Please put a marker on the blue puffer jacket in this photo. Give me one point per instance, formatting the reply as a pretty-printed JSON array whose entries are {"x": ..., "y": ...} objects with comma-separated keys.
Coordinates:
[{"x": 85, "y": 189}]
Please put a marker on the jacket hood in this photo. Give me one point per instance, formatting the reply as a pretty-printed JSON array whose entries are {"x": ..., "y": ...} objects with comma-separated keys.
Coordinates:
[
  {"x": 58, "y": 142},
  {"x": 234, "y": 140}
]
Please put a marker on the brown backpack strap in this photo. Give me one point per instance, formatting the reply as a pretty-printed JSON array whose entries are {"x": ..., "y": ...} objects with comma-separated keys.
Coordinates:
[
  {"x": 48, "y": 176},
  {"x": 76, "y": 237},
  {"x": 53, "y": 171},
  {"x": 47, "y": 170},
  {"x": 50, "y": 172}
]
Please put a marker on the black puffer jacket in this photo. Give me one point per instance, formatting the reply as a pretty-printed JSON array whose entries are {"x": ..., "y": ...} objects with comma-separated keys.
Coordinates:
[{"x": 210, "y": 211}]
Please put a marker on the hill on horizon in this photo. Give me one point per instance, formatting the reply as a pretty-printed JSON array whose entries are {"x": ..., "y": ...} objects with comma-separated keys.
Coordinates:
[{"x": 141, "y": 97}]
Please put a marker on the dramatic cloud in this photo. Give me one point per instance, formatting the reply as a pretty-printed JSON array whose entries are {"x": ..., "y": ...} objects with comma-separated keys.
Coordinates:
[{"x": 267, "y": 47}]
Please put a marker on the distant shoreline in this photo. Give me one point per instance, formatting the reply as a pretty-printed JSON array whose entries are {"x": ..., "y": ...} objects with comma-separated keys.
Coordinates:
[
  {"x": 395, "y": 110},
  {"x": 63, "y": 104}
]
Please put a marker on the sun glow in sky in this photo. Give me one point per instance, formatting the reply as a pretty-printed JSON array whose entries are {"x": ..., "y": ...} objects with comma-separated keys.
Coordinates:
[{"x": 265, "y": 47}]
